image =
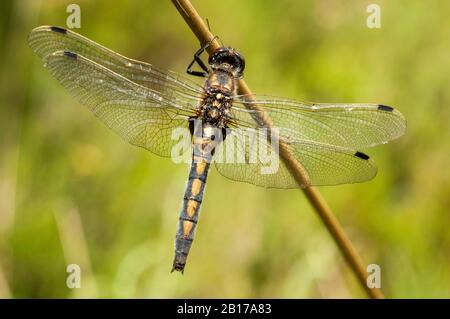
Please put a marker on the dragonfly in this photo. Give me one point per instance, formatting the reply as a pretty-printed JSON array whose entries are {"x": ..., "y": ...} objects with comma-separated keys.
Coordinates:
[{"x": 144, "y": 105}]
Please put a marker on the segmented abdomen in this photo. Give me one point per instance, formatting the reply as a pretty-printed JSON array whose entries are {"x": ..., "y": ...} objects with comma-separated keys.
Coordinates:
[{"x": 193, "y": 196}]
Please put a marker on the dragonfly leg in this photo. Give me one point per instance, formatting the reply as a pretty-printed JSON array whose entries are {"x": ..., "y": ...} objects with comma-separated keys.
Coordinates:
[{"x": 199, "y": 61}]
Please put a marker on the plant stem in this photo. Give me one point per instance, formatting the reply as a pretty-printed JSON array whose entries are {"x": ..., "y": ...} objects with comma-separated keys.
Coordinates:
[{"x": 355, "y": 262}]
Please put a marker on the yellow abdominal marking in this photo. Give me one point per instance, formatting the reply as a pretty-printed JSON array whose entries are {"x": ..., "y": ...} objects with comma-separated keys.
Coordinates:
[
  {"x": 187, "y": 227},
  {"x": 201, "y": 167},
  {"x": 196, "y": 186},
  {"x": 191, "y": 208}
]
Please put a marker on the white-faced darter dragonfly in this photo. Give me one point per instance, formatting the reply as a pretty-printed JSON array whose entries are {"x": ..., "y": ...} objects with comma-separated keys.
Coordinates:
[{"x": 143, "y": 104}]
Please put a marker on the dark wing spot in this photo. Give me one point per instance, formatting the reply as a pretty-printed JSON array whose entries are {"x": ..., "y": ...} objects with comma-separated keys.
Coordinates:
[
  {"x": 70, "y": 54},
  {"x": 362, "y": 155},
  {"x": 58, "y": 29},
  {"x": 386, "y": 108}
]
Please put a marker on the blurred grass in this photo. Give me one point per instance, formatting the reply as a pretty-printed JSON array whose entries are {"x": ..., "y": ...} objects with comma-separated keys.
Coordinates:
[{"x": 57, "y": 160}]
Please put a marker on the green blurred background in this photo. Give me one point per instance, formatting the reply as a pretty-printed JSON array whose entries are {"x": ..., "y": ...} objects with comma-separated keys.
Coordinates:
[{"x": 71, "y": 191}]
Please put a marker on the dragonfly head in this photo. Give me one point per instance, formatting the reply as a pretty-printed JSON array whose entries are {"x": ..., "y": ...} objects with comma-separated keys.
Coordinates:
[{"x": 228, "y": 60}]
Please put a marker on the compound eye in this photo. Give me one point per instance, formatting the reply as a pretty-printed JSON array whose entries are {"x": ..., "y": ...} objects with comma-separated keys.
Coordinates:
[
  {"x": 228, "y": 58},
  {"x": 221, "y": 56},
  {"x": 240, "y": 63}
]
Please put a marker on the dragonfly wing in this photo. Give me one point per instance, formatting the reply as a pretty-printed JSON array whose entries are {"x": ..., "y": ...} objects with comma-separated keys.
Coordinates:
[
  {"x": 352, "y": 126},
  {"x": 323, "y": 164},
  {"x": 323, "y": 139},
  {"x": 46, "y": 40},
  {"x": 141, "y": 116}
]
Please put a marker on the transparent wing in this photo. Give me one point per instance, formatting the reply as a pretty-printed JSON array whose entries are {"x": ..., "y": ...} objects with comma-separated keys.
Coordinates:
[
  {"x": 141, "y": 116},
  {"x": 352, "y": 126},
  {"x": 46, "y": 40},
  {"x": 323, "y": 164},
  {"x": 323, "y": 139}
]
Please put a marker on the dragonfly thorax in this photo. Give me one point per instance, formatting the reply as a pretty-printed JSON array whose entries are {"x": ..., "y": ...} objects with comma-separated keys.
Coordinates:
[
  {"x": 220, "y": 86},
  {"x": 215, "y": 108}
]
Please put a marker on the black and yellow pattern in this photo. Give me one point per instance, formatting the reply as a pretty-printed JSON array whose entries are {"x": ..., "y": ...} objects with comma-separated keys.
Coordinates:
[{"x": 201, "y": 160}]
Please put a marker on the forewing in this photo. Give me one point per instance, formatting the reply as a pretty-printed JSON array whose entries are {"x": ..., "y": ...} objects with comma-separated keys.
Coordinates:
[
  {"x": 140, "y": 115},
  {"x": 46, "y": 40},
  {"x": 352, "y": 126}
]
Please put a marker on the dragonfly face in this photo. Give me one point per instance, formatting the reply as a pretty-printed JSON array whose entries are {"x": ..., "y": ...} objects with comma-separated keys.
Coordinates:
[
  {"x": 228, "y": 60},
  {"x": 144, "y": 105}
]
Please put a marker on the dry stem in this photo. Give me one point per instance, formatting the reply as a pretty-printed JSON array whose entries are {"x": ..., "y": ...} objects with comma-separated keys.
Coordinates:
[{"x": 356, "y": 263}]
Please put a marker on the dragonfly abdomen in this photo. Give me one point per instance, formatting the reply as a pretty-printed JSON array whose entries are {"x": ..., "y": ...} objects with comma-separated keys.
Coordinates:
[{"x": 193, "y": 197}]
